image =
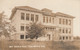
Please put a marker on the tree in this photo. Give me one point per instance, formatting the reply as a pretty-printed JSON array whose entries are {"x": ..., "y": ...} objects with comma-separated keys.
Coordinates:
[
  {"x": 35, "y": 30},
  {"x": 5, "y": 28}
]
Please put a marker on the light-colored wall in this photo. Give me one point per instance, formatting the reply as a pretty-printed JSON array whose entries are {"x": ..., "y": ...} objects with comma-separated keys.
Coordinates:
[
  {"x": 17, "y": 22},
  {"x": 64, "y": 26}
]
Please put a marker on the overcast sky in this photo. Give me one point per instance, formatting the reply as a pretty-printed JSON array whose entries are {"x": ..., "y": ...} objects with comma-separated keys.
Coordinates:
[{"x": 71, "y": 7}]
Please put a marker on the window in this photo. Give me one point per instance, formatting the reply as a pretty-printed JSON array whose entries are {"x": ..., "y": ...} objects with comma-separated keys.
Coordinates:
[
  {"x": 36, "y": 18},
  {"x": 32, "y": 17},
  {"x": 27, "y": 27},
  {"x": 63, "y": 37},
  {"x": 63, "y": 31},
  {"x": 63, "y": 21},
  {"x": 22, "y": 28},
  {"x": 50, "y": 19},
  {"x": 66, "y": 30},
  {"x": 27, "y": 16},
  {"x": 59, "y": 30},
  {"x": 47, "y": 19},
  {"x": 44, "y": 19},
  {"x": 26, "y": 36},
  {"x": 69, "y": 22},
  {"x": 21, "y": 36},
  {"x": 22, "y": 16},
  {"x": 53, "y": 20},
  {"x": 66, "y": 22},
  {"x": 59, "y": 20},
  {"x": 70, "y": 31},
  {"x": 66, "y": 37}
]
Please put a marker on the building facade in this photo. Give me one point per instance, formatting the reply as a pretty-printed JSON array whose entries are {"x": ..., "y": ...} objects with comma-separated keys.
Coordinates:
[{"x": 58, "y": 26}]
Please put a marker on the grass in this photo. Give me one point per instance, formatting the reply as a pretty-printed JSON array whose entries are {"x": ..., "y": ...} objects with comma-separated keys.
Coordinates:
[{"x": 46, "y": 45}]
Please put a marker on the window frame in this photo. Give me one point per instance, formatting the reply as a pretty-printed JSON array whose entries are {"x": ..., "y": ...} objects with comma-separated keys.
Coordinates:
[
  {"x": 32, "y": 17},
  {"x": 22, "y": 28},
  {"x": 27, "y": 16},
  {"x": 21, "y": 36},
  {"x": 22, "y": 16}
]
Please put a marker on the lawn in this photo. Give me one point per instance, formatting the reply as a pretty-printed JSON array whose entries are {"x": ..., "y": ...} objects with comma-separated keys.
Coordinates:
[{"x": 37, "y": 45}]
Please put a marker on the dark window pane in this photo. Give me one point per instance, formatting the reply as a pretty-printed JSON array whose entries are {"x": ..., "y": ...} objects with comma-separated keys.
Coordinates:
[
  {"x": 32, "y": 17},
  {"x": 69, "y": 22},
  {"x": 44, "y": 19},
  {"x": 22, "y": 28},
  {"x": 59, "y": 30},
  {"x": 50, "y": 20},
  {"x": 22, "y": 16},
  {"x": 27, "y": 27},
  {"x": 21, "y": 36},
  {"x": 63, "y": 21},
  {"x": 63, "y": 38},
  {"x": 36, "y": 18},
  {"x": 66, "y": 22},
  {"x": 47, "y": 19},
  {"x": 27, "y": 16},
  {"x": 26, "y": 36},
  {"x": 69, "y": 30},
  {"x": 66, "y": 37},
  {"x": 59, "y": 20},
  {"x": 53, "y": 20},
  {"x": 66, "y": 30},
  {"x": 63, "y": 30}
]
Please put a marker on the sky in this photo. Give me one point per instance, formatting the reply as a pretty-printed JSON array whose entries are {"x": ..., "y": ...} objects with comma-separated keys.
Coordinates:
[{"x": 71, "y": 7}]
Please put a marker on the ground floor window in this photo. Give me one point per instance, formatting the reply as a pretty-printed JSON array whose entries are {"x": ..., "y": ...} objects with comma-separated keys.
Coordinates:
[
  {"x": 66, "y": 37},
  {"x": 26, "y": 36},
  {"x": 48, "y": 36},
  {"x": 21, "y": 36},
  {"x": 63, "y": 38}
]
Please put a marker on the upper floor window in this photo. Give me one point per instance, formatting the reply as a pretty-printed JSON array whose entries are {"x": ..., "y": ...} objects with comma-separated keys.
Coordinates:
[
  {"x": 22, "y": 28},
  {"x": 22, "y": 16},
  {"x": 59, "y": 20},
  {"x": 27, "y": 27},
  {"x": 26, "y": 36},
  {"x": 63, "y": 21},
  {"x": 47, "y": 19},
  {"x": 50, "y": 19},
  {"x": 32, "y": 17},
  {"x": 69, "y": 22},
  {"x": 66, "y": 30},
  {"x": 63, "y": 31},
  {"x": 66, "y": 22},
  {"x": 70, "y": 30},
  {"x": 36, "y": 18},
  {"x": 63, "y": 37},
  {"x": 44, "y": 19},
  {"x": 53, "y": 20},
  {"x": 66, "y": 37},
  {"x": 60, "y": 30},
  {"x": 27, "y": 16}
]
